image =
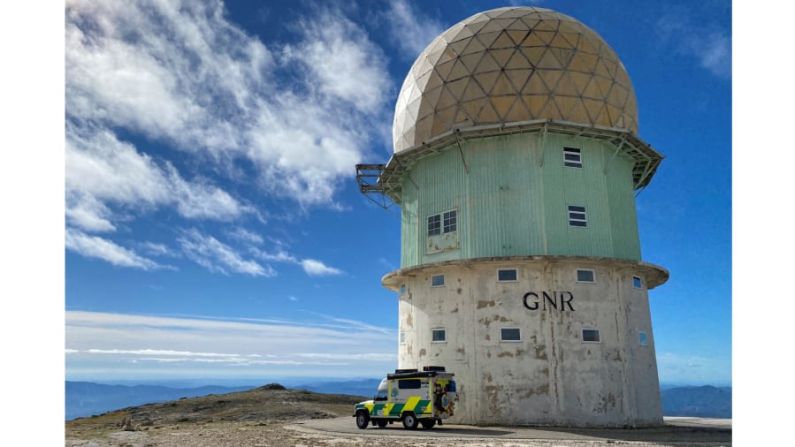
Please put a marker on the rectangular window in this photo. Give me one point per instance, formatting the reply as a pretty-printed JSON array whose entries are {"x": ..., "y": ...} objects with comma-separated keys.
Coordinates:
[
  {"x": 450, "y": 221},
  {"x": 402, "y": 289},
  {"x": 643, "y": 339},
  {"x": 572, "y": 157},
  {"x": 590, "y": 336},
  {"x": 586, "y": 275},
  {"x": 402, "y": 338},
  {"x": 434, "y": 225},
  {"x": 637, "y": 282},
  {"x": 506, "y": 275},
  {"x": 577, "y": 216},
  {"x": 510, "y": 334},
  {"x": 409, "y": 384},
  {"x": 437, "y": 281},
  {"x": 438, "y": 335}
]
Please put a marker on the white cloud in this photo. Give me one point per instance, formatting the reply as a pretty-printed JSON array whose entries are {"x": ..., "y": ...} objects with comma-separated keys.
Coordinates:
[
  {"x": 313, "y": 267},
  {"x": 410, "y": 29},
  {"x": 216, "y": 256},
  {"x": 111, "y": 342},
  {"x": 101, "y": 170},
  {"x": 709, "y": 44},
  {"x": 244, "y": 235},
  {"x": 684, "y": 368},
  {"x": 100, "y": 248},
  {"x": 342, "y": 61},
  {"x": 179, "y": 72}
]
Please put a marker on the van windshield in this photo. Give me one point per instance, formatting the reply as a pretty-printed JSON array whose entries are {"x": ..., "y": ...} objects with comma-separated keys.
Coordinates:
[{"x": 381, "y": 394}]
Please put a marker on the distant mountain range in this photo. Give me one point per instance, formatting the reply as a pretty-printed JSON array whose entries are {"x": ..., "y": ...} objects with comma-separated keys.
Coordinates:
[
  {"x": 698, "y": 401},
  {"x": 87, "y": 398}
]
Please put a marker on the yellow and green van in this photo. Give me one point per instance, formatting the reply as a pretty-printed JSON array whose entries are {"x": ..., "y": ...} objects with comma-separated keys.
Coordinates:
[{"x": 412, "y": 397}]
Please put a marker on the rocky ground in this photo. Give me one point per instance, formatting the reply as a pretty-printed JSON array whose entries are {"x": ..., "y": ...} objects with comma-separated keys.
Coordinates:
[{"x": 261, "y": 417}]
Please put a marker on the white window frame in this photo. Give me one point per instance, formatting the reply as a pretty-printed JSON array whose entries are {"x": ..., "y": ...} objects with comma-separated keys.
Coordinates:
[
  {"x": 584, "y": 212},
  {"x": 515, "y": 269},
  {"x": 641, "y": 335},
  {"x": 441, "y": 222},
  {"x": 444, "y": 331},
  {"x": 571, "y": 163},
  {"x": 577, "y": 276},
  {"x": 456, "y": 220},
  {"x": 640, "y": 280},
  {"x": 511, "y": 341},
  {"x": 589, "y": 328},
  {"x": 437, "y": 285}
]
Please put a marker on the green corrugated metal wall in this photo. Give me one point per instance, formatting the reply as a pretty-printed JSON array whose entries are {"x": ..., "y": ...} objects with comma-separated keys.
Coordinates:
[{"x": 514, "y": 202}]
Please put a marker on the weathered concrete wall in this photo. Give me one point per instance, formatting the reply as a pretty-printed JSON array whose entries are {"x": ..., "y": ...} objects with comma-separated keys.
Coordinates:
[{"x": 551, "y": 376}]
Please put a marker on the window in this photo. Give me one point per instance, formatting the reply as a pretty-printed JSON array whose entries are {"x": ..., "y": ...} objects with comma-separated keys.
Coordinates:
[
  {"x": 409, "y": 384},
  {"x": 402, "y": 289},
  {"x": 577, "y": 216},
  {"x": 437, "y": 281},
  {"x": 590, "y": 336},
  {"x": 438, "y": 335},
  {"x": 449, "y": 221},
  {"x": 434, "y": 225},
  {"x": 510, "y": 334},
  {"x": 643, "y": 339},
  {"x": 446, "y": 222},
  {"x": 572, "y": 157},
  {"x": 637, "y": 282},
  {"x": 402, "y": 338},
  {"x": 506, "y": 275},
  {"x": 586, "y": 275}
]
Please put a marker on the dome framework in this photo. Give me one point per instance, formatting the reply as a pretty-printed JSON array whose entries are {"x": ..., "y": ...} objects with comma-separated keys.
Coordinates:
[{"x": 513, "y": 65}]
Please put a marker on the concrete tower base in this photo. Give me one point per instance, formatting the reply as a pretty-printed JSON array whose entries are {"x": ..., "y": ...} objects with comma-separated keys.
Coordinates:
[{"x": 550, "y": 375}]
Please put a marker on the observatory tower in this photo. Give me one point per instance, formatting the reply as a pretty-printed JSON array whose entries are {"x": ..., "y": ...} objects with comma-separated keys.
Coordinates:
[{"x": 516, "y": 162}]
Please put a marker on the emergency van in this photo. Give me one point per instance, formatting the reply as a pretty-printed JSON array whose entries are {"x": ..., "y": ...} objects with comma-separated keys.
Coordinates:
[{"x": 412, "y": 397}]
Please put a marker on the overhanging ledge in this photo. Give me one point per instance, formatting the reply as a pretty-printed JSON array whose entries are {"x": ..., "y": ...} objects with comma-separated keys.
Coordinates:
[{"x": 655, "y": 275}]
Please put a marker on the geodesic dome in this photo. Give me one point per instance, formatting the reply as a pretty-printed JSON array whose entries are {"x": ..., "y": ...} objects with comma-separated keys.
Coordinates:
[{"x": 510, "y": 65}]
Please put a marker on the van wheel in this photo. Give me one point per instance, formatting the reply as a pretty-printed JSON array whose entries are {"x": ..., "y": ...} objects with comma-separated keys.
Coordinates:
[
  {"x": 381, "y": 423},
  {"x": 428, "y": 424},
  {"x": 410, "y": 421},
  {"x": 362, "y": 419}
]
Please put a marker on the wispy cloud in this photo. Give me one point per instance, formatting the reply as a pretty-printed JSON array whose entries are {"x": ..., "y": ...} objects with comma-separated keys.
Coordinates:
[
  {"x": 216, "y": 256},
  {"x": 126, "y": 343},
  {"x": 681, "y": 368},
  {"x": 706, "y": 42},
  {"x": 313, "y": 267},
  {"x": 100, "y": 248},
  {"x": 411, "y": 30},
  {"x": 102, "y": 170},
  {"x": 179, "y": 72}
]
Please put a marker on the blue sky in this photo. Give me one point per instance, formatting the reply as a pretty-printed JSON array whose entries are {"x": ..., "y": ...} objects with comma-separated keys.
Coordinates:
[{"x": 214, "y": 228}]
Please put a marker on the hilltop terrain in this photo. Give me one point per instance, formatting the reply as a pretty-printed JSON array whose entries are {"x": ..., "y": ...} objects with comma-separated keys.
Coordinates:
[{"x": 272, "y": 416}]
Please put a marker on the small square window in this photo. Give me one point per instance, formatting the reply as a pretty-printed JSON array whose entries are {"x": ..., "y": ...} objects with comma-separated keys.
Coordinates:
[
  {"x": 438, "y": 335},
  {"x": 506, "y": 275},
  {"x": 434, "y": 225},
  {"x": 449, "y": 223},
  {"x": 437, "y": 281},
  {"x": 590, "y": 336},
  {"x": 643, "y": 338},
  {"x": 637, "y": 282},
  {"x": 572, "y": 157},
  {"x": 586, "y": 275},
  {"x": 510, "y": 334},
  {"x": 577, "y": 216}
]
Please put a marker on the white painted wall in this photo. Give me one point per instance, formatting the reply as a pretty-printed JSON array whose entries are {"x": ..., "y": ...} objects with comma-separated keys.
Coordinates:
[{"x": 551, "y": 376}]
